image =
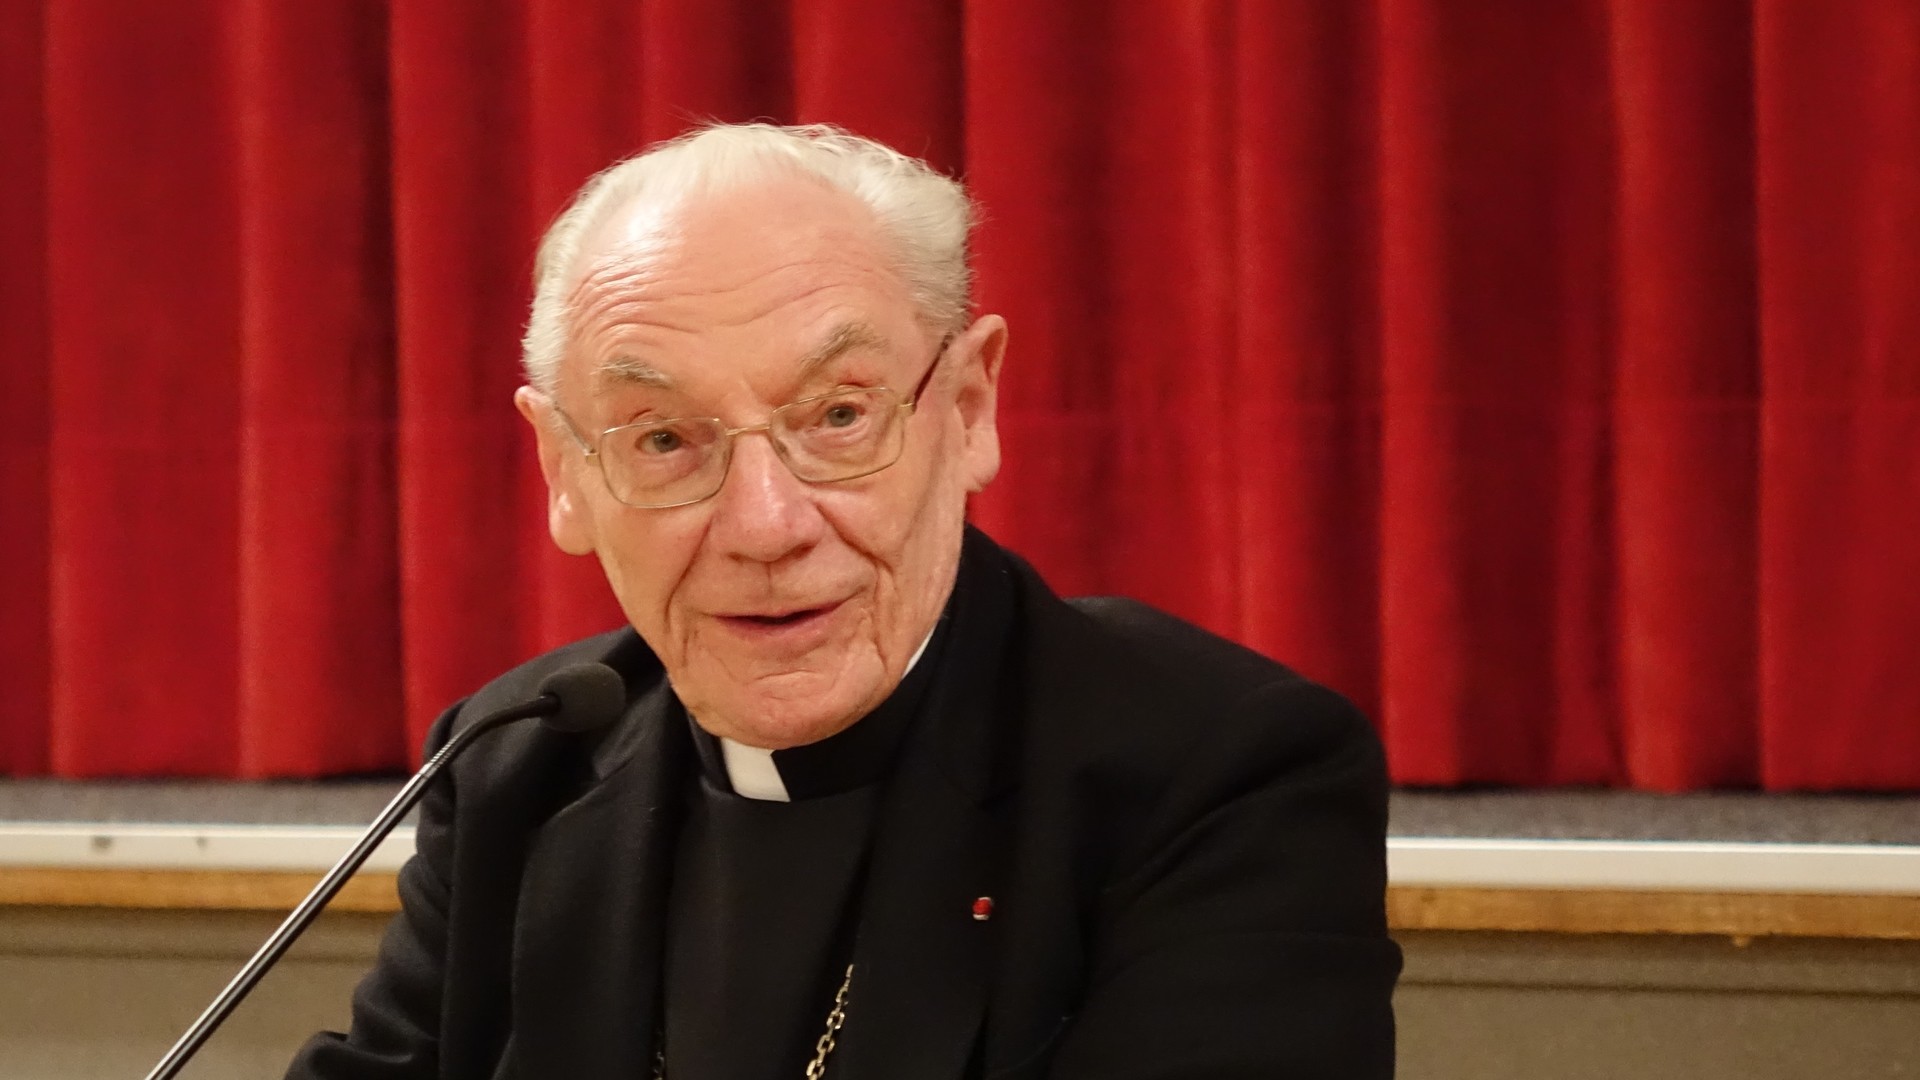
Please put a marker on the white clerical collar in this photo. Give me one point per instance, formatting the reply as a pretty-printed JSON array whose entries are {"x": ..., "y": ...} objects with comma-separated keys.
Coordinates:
[{"x": 751, "y": 770}]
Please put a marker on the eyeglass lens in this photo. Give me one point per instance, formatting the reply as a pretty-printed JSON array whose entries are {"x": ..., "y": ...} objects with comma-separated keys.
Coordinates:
[{"x": 832, "y": 437}]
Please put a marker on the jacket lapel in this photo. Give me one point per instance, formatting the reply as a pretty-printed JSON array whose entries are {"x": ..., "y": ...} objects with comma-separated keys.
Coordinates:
[
  {"x": 586, "y": 953},
  {"x": 920, "y": 964},
  {"x": 921, "y": 960}
]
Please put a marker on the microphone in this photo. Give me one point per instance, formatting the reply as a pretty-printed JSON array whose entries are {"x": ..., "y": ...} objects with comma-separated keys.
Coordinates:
[{"x": 577, "y": 698}]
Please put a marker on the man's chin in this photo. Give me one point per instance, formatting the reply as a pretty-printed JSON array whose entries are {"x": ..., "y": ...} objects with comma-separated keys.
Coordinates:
[
  {"x": 779, "y": 725},
  {"x": 784, "y": 708}
]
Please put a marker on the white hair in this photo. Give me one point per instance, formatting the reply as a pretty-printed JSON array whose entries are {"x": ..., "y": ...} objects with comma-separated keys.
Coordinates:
[{"x": 925, "y": 216}]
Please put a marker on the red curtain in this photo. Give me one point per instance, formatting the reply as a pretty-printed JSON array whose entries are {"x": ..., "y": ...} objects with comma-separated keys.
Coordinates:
[{"x": 1544, "y": 376}]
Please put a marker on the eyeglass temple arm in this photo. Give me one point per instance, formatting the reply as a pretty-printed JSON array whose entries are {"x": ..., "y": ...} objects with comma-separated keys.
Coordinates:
[
  {"x": 573, "y": 431},
  {"x": 938, "y": 355}
]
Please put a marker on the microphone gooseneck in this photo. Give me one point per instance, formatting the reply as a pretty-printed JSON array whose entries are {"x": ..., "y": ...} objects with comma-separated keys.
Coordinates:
[{"x": 577, "y": 698}]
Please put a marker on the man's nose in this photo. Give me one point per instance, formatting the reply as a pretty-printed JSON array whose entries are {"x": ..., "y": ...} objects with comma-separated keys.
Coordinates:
[{"x": 763, "y": 512}]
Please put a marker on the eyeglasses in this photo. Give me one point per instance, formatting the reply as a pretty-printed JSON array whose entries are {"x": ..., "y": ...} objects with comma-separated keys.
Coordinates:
[{"x": 823, "y": 439}]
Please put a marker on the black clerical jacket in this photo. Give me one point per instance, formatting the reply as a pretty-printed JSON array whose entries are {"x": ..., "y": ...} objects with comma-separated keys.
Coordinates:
[{"x": 1182, "y": 843}]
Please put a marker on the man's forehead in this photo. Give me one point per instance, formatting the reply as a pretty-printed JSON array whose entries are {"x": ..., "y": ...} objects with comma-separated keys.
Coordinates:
[
  {"x": 632, "y": 368},
  {"x": 655, "y": 272},
  {"x": 740, "y": 226}
]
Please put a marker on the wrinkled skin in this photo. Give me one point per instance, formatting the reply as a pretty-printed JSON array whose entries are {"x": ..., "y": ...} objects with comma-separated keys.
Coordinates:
[{"x": 783, "y": 611}]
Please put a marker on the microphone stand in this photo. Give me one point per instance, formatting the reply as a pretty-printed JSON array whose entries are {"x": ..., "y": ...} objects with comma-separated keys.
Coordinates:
[{"x": 296, "y": 923}]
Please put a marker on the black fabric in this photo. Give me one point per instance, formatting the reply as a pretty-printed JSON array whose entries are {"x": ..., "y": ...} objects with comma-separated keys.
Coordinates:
[
  {"x": 1184, "y": 842},
  {"x": 759, "y": 928},
  {"x": 761, "y": 913}
]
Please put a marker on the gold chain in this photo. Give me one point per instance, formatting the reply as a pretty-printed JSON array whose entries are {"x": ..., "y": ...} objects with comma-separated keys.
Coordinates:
[{"x": 817, "y": 1068}]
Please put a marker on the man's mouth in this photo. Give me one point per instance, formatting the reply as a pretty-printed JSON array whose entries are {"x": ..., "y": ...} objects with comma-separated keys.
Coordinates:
[
  {"x": 780, "y": 619},
  {"x": 783, "y": 620}
]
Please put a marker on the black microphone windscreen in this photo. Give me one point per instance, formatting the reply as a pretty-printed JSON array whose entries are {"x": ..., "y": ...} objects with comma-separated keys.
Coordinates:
[{"x": 591, "y": 695}]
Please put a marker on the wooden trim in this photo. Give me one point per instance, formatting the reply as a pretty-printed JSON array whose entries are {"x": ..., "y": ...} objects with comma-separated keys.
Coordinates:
[
  {"x": 1550, "y": 911},
  {"x": 209, "y": 890},
  {"x": 1601, "y": 911}
]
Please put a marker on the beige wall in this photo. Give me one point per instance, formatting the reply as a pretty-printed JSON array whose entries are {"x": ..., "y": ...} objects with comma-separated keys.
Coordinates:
[
  {"x": 87, "y": 995},
  {"x": 1497, "y": 1006}
]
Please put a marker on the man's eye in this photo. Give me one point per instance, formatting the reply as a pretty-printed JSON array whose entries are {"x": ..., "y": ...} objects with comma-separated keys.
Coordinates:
[
  {"x": 841, "y": 415},
  {"x": 665, "y": 441}
]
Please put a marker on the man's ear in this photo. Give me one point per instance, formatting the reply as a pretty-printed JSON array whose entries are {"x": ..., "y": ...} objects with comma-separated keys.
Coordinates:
[
  {"x": 976, "y": 398},
  {"x": 567, "y": 518}
]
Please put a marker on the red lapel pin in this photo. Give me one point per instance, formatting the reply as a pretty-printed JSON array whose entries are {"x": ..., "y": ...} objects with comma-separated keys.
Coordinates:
[{"x": 983, "y": 909}]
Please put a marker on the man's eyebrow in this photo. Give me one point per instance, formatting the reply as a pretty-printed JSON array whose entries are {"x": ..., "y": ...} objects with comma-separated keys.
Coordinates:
[
  {"x": 622, "y": 368},
  {"x": 845, "y": 338}
]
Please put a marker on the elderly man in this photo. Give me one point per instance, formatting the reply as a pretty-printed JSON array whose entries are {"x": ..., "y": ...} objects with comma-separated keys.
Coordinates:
[{"x": 881, "y": 806}]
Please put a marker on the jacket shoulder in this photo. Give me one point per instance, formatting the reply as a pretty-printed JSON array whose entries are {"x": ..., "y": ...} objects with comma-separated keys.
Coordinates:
[
  {"x": 621, "y": 649},
  {"x": 529, "y": 755},
  {"x": 1147, "y": 715},
  {"x": 1178, "y": 650}
]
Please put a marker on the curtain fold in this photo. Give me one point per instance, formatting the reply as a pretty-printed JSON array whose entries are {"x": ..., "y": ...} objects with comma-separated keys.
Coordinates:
[
  {"x": 318, "y": 646},
  {"x": 1496, "y": 204},
  {"x": 25, "y": 405},
  {"x": 1543, "y": 376},
  {"x": 144, "y": 369},
  {"x": 1838, "y": 133},
  {"x": 1686, "y": 388},
  {"x": 459, "y": 118}
]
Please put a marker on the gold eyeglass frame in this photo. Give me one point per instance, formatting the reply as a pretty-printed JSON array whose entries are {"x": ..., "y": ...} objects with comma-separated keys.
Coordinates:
[{"x": 591, "y": 450}]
